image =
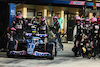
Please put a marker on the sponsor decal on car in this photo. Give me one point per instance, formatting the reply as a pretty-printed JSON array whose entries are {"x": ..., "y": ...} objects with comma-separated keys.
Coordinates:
[
  {"x": 30, "y": 48},
  {"x": 18, "y": 52},
  {"x": 36, "y": 53}
]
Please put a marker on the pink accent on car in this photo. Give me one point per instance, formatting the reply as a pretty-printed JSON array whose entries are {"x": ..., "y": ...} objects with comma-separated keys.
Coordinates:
[
  {"x": 34, "y": 53},
  {"x": 28, "y": 34},
  {"x": 24, "y": 53}
]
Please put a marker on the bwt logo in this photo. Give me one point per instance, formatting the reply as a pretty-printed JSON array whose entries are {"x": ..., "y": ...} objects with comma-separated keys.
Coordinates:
[
  {"x": 77, "y": 2},
  {"x": 40, "y": 54}
]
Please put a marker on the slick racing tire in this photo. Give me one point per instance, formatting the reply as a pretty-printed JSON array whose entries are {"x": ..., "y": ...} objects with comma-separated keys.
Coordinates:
[
  {"x": 9, "y": 55},
  {"x": 8, "y": 52},
  {"x": 51, "y": 57},
  {"x": 53, "y": 48}
]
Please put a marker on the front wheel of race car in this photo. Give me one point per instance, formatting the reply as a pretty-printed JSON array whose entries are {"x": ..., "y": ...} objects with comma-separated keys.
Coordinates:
[
  {"x": 9, "y": 55},
  {"x": 9, "y": 48},
  {"x": 51, "y": 57}
]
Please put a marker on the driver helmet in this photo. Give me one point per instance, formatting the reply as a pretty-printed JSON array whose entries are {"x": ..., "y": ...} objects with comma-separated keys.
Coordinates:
[
  {"x": 42, "y": 18},
  {"x": 19, "y": 16}
]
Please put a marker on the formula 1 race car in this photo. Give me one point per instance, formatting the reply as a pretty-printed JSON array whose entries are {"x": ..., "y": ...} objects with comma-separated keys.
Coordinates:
[{"x": 31, "y": 45}]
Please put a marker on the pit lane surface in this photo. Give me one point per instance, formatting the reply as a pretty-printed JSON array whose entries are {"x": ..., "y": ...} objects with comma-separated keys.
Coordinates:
[{"x": 64, "y": 59}]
